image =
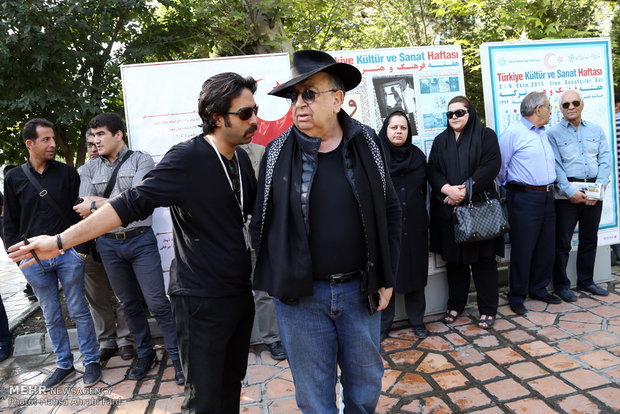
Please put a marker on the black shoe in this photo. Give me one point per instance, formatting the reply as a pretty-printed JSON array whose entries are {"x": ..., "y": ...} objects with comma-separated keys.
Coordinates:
[
  {"x": 106, "y": 353},
  {"x": 178, "y": 372},
  {"x": 548, "y": 297},
  {"x": 566, "y": 295},
  {"x": 518, "y": 308},
  {"x": 420, "y": 331},
  {"x": 277, "y": 350},
  {"x": 57, "y": 377},
  {"x": 142, "y": 366},
  {"x": 127, "y": 352},
  {"x": 593, "y": 289},
  {"x": 92, "y": 374},
  {"x": 5, "y": 351}
]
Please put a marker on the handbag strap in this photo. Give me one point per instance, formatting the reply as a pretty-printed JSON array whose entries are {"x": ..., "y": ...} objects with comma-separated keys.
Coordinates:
[
  {"x": 112, "y": 181},
  {"x": 45, "y": 195},
  {"x": 468, "y": 190}
]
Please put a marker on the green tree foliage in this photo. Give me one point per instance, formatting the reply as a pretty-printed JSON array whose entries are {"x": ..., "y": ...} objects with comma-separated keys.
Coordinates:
[
  {"x": 471, "y": 23},
  {"x": 60, "y": 61},
  {"x": 615, "y": 45}
]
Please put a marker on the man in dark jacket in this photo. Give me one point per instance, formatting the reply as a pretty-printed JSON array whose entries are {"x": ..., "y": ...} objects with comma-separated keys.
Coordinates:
[{"x": 326, "y": 226}]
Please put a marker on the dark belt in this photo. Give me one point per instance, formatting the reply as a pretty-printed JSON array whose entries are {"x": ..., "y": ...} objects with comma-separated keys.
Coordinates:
[
  {"x": 582, "y": 180},
  {"x": 525, "y": 187},
  {"x": 124, "y": 235},
  {"x": 341, "y": 277}
]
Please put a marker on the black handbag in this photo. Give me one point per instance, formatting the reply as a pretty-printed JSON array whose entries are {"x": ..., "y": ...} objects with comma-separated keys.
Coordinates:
[{"x": 479, "y": 220}]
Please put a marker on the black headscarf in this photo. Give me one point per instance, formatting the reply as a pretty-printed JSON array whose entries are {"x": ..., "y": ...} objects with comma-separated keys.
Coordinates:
[
  {"x": 460, "y": 159},
  {"x": 398, "y": 159}
]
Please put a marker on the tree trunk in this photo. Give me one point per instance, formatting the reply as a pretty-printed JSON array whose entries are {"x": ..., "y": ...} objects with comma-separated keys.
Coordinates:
[
  {"x": 264, "y": 25},
  {"x": 61, "y": 141}
]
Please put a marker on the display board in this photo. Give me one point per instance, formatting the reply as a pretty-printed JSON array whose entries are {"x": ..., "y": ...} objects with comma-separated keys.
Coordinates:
[{"x": 511, "y": 70}]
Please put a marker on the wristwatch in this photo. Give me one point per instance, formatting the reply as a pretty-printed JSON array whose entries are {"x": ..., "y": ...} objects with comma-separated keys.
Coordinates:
[{"x": 93, "y": 207}]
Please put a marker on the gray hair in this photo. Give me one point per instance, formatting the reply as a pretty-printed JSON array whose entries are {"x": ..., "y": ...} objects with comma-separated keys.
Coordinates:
[
  {"x": 88, "y": 133},
  {"x": 531, "y": 101},
  {"x": 562, "y": 96}
]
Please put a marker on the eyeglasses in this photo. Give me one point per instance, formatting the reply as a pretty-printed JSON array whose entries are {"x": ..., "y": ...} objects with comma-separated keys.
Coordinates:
[
  {"x": 576, "y": 104},
  {"x": 459, "y": 113},
  {"x": 245, "y": 113},
  {"x": 308, "y": 96},
  {"x": 91, "y": 144}
]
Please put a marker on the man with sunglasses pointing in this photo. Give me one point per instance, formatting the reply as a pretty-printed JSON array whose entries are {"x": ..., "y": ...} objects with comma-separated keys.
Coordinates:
[
  {"x": 582, "y": 156},
  {"x": 326, "y": 227},
  {"x": 209, "y": 185}
]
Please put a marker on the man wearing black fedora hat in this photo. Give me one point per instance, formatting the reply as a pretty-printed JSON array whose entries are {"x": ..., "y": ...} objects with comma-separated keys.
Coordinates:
[{"x": 326, "y": 227}]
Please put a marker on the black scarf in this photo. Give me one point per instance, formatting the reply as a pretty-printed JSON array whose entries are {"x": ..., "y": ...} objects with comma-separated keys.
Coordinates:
[
  {"x": 399, "y": 160},
  {"x": 460, "y": 159}
]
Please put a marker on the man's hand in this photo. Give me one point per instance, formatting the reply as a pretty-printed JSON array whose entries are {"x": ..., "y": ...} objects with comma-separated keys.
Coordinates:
[
  {"x": 83, "y": 209},
  {"x": 578, "y": 197},
  {"x": 385, "y": 294},
  {"x": 590, "y": 202},
  {"x": 44, "y": 246}
]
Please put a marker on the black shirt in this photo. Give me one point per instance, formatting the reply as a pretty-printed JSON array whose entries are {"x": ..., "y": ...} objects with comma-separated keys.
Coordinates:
[
  {"x": 337, "y": 239},
  {"x": 211, "y": 257},
  {"x": 25, "y": 212}
]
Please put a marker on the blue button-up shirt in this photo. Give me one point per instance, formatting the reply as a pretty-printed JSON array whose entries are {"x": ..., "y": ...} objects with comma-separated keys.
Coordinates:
[
  {"x": 527, "y": 156},
  {"x": 579, "y": 153}
]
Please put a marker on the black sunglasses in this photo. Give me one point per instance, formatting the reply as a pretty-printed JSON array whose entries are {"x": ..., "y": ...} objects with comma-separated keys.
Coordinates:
[
  {"x": 459, "y": 113},
  {"x": 245, "y": 113},
  {"x": 308, "y": 96},
  {"x": 576, "y": 104}
]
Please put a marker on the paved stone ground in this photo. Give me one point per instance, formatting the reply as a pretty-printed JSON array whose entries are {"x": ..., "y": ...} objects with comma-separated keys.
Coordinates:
[{"x": 556, "y": 359}]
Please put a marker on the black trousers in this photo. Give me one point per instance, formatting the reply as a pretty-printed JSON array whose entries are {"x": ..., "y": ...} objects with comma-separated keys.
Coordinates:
[
  {"x": 531, "y": 215},
  {"x": 415, "y": 305},
  {"x": 567, "y": 215},
  {"x": 214, "y": 339},
  {"x": 485, "y": 277}
]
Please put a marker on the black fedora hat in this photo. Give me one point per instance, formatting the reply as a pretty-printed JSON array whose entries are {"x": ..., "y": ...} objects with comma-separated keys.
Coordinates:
[{"x": 310, "y": 62}]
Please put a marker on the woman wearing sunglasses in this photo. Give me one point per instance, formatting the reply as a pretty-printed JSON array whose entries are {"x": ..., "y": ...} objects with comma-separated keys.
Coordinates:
[
  {"x": 465, "y": 149},
  {"x": 407, "y": 166}
]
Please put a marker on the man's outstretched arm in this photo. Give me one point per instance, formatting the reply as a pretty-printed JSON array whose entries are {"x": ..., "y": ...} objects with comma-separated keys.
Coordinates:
[{"x": 46, "y": 247}]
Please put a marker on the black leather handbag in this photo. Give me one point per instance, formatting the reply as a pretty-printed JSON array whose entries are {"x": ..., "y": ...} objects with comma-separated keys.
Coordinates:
[{"x": 479, "y": 220}]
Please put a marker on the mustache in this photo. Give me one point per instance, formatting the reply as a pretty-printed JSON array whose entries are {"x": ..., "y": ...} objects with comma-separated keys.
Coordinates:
[{"x": 251, "y": 130}]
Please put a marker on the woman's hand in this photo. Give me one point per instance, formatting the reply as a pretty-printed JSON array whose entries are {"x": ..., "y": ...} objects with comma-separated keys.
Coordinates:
[
  {"x": 384, "y": 298},
  {"x": 455, "y": 194}
]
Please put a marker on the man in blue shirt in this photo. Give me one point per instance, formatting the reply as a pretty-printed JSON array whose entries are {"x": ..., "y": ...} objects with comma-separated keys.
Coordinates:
[
  {"x": 528, "y": 173},
  {"x": 582, "y": 155}
]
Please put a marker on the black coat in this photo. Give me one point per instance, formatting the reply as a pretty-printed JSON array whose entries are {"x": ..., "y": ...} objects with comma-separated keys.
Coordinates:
[
  {"x": 410, "y": 187},
  {"x": 441, "y": 217}
]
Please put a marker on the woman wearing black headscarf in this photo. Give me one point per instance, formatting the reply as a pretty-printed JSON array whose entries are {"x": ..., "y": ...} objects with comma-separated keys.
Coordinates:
[
  {"x": 407, "y": 166},
  {"x": 465, "y": 149}
]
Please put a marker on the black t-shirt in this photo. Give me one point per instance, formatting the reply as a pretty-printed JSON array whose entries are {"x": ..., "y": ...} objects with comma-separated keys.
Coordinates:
[{"x": 337, "y": 239}]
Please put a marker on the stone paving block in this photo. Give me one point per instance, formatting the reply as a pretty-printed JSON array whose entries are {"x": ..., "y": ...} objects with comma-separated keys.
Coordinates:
[
  {"x": 467, "y": 356},
  {"x": 614, "y": 373},
  {"x": 505, "y": 356},
  {"x": 615, "y": 350},
  {"x": 437, "y": 327},
  {"x": 584, "y": 378},
  {"x": 537, "y": 348},
  {"x": 456, "y": 339},
  {"x": 279, "y": 388},
  {"x": 168, "y": 405},
  {"x": 528, "y": 406},
  {"x": 583, "y": 317},
  {"x": 389, "y": 378},
  {"x": 470, "y": 330},
  {"x": 486, "y": 341},
  {"x": 574, "y": 346},
  {"x": 435, "y": 343},
  {"x": 522, "y": 322},
  {"x": 610, "y": 396},
  {"x": 260, "y": 373},
  {"x": 406, "y": 357},
  {"x": 552, "y": 333},
  {"x": 391, "y": 344},
  {"x": 411, "y": 384},
  {"x": 428, "y": 405},
  {"x": 502, "y": 325},
  {"x": 550, "y": 386},
  {"x": 28, "y": 344},
  {"x": 586, "y": 302},
  {"x": 406, "y": 334},
  {"x": 600, "y": 359},
  {"x": 470, "y": 398},
  {"x": 579, "y": 328},
  {"x": 506, "y": 389},
  {"x": 535, "y": 305},
  {"x": 611, "y": 298},
  {"x": 541, "y": 318},
  {"x": 517, "y": 336},
  {"x": 606, "y": 311},
  {"x": 561, "y": 307},
  {"x": 450, "y": 379},
  {"x": 254, "y": 409},
  {"x": 132, "y": 407},
  {"x": 578, "y": 404},
  {"x": 385, "y": 404},
  {"x": 147, "y": 387},
  {"x": 558, "y": 363},
  {"x": 168, "y": 388},
  {"x": 603, "y": 339},
  {"x": 434, "y": 363},
  {"x": 485, "y": 372},
  {"x": 526, "y": 370}
]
